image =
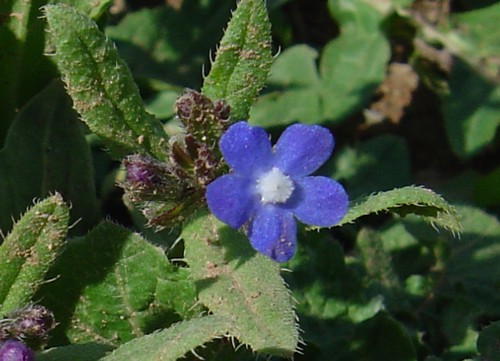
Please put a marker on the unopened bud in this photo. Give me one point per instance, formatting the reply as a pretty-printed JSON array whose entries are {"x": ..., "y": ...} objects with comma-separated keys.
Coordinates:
[{"x": 13, "y": 350}]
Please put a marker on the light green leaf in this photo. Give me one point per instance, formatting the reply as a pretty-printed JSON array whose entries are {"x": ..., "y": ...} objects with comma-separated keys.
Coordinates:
[
  {"x": 235, "y": 282},
  {"x": 243, "y": 59},
  {"x": 46, "y": 151},
  {"x": 470, "y": 111},
  {"x": 174, "y": 342},
  {"x": 353, "y": 64},
  {"x": 112, "y": 285},
  {"x": 479, "y": 31},
  {"x": 101, "y": 85},
  {"x": 294, "y": 90},
  {"x": 407, "y": 200},
  {"x": 29, "y": 251}
]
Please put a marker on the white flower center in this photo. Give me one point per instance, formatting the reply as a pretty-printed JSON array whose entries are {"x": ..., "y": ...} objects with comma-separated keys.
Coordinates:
[{"x": 274, "y": 187}]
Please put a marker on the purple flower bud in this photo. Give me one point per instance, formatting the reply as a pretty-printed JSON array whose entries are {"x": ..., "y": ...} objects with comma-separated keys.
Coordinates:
[
  {"x": 13, "y": 350},
  {"x": 30, "y": 324},
  {"x": 142, "y": 171}
]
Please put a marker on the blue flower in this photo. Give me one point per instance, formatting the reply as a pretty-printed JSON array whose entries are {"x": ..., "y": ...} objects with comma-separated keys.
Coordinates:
[{"x": 270, "y": 186}]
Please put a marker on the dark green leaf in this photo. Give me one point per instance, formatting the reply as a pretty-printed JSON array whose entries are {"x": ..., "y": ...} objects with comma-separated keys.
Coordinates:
[
  {"x": 381, "y": 338},
  {"x": 488, "y": 343},
  {"x": 379, "y": 164},
  {"x": 24, "y": 69},
  {"x": 473, "y": 262},
  {"x": 169, "y": 44},
  {"x": 46, "y": 151},
  {"x": 79, "y": 352}
]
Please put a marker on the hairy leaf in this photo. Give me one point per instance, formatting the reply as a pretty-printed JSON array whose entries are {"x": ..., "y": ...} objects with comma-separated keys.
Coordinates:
[
  {"x": 234, "y": 281},
  {"x": 174, "y": 342},
  {"x": 29, "y": 250},
  {"x": 243, "y": 59},
  {"x": 112, "y": 285},
  {"x": 407, "y": 200},
  {"x": 101, "y": 85}
]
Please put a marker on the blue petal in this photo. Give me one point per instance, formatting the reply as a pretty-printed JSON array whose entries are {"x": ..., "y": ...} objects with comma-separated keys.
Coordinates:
[
  {"x": 229, "y": 199},
  {"x": 273, "y": 232},
  {"x": 246, "y": 149},
  {"x": 302, "y": 149},
  {"x": 319, "y": 201}
]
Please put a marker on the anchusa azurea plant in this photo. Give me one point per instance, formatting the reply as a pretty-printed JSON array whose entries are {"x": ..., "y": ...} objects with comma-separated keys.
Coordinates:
[{"x": 151, "y": 211}]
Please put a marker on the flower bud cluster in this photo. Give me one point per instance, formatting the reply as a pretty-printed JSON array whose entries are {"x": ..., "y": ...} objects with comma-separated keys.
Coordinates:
[{"x": 168, "y": 191}]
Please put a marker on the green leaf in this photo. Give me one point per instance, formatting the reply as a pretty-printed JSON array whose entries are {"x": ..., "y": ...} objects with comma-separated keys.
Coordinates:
[
  {"x": 235, "y": 282},
  {"x": 162, "y": 104},
  {"x": 473, "y": 262},
  {"x": 407, "y": 200},
  {"x": 294, "y": 86},
  {"x": 243, "y": 59},
  {"x": 478, "y": 30},
  {"x": 79, "y": 352},
  {"x": 46, "y": 151},
  {"x": 470, "y": 110},
  {"x": 94, "y": 9},
  {"x": 29, "y": 250},
  {"x": 173, "y": 343},
  {"x": 101, "y": 85},
  {"x": 488, "y": 343},
  {"x": 377, "y": 261},
  {"x": 112, "y": 285},
  {"x": 487, "y": 189},
  {"x": 170, "y": 44},
  {"x": 381, "y": 163},
  {"x": 381, "y": 338},
  {"x": 24, "y": 69},
  {"x": 353, "y": 64}
]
